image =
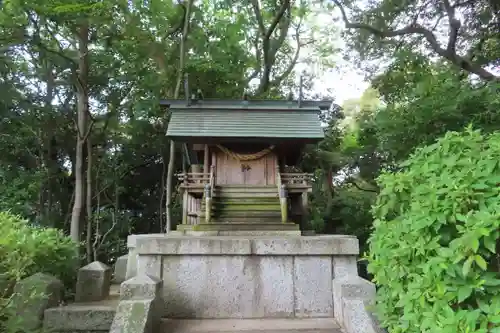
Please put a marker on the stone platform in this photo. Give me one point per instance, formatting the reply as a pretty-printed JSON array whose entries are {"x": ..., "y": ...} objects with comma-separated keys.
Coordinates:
[
  {"x": 310, "y": 325},
  {"x": 248, "y": 276}
]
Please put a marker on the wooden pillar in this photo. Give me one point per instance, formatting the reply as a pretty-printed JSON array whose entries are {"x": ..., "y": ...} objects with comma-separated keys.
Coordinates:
[
  {"x": 214, "y": 166},
  {"x": 185, "y": 199},
  {"x": 206, "y": 165},
  {"x": 170, "y": 176},
  {"x": 282, "y": 163}
]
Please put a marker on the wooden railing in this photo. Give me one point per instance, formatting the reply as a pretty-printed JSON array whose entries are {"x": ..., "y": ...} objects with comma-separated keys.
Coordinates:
[
  {"x": 194, "y": 178},
  {"x": 296, "y": 178}
]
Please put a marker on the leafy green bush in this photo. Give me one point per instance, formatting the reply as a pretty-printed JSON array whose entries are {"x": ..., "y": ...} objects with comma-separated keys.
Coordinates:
[
  {"x": 434, "y": 249},
  {"x": 25, "y": 250}
]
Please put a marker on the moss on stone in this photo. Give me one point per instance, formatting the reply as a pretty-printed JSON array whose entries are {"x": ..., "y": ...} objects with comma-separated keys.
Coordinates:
[{"x": 137, "y": 318}]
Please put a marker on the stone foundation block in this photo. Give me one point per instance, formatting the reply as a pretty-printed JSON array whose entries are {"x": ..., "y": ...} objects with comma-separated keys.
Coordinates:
[
  {"x": 93, "y": 283},
  {"x": 79, "y": 318},
  {"x": 243, "y": 276}
]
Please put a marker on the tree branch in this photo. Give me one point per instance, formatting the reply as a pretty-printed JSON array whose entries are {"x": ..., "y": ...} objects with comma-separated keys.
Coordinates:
[
  {"x": 269, "y": 49},
  {"x": 284, "y": 6},
  {"x": 417, "y": 29},
  {"x": 179, "y": 25},
  {"x": 295, "y": 58},
  {"x": 353, "y": 182},
  {"x": 258, "y": 16},
  {"x": 258, "y": 57},
  {"x": 454, "y": 27}
]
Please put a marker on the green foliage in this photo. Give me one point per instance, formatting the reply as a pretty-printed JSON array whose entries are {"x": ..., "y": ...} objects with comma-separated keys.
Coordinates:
[
  {"x": 26, "y": 249},
  {"x": 19, "y": 190},
  {"x": 433, "y": 100},
  {"x": 434, "y": 247},
  {"x": 134, "y": 60}
]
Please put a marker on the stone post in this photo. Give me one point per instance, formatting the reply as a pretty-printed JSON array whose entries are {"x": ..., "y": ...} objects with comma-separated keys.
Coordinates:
[
  {"x": 283, "y": 203},
  {"x": 120, "y": 269},
  {"x": 132, "y": 257},
  {"x": 93, "y": 282},
  {"x": 350, "y": 295},
  {"x": 208, "y": 203},
  {"x": 141, "y": 305}
]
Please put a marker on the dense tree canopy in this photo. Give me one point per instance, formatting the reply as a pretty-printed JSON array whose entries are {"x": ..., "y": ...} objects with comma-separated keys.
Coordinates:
[
  {"x": 82, "y": 141},
  {"x": 82, "y": 136}
]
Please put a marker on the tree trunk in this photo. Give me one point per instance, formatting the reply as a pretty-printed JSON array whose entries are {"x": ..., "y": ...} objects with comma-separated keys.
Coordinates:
[
  {"x": 50, "y": 147},
  {"x": 82, "y": 110},
  {"x": 171, "y": 161},
  {"x": 88, "y": 203}
]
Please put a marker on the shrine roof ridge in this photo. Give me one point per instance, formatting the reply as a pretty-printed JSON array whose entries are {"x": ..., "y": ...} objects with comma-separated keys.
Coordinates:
[{"x": 262, "y": 104}]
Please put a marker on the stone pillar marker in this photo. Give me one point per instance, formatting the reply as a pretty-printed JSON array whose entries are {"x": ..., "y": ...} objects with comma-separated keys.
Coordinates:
[
  {"x": 141, "y": 287},
  {"x": 93, "y": 282},
  {"x": 120, "y": 271},
  {"x": 141, "y": 305},
  {"x": 132, "y": 257}
]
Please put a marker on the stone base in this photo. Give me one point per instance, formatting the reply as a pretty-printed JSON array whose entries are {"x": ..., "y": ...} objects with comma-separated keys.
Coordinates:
[
  {"x": 92, "y": 317},
  {"x": 259, "y": 227},
  {"x": 246, "y": 276},
  {"x": 308, "y": 325},
  {"x": 238, "y": 229},
  {"x": 235, "y": 233},
  {"x": 73, "y": 318}
]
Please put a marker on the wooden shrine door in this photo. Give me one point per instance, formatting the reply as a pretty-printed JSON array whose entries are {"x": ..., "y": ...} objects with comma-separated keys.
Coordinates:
[{"x": 256, "y": 172}]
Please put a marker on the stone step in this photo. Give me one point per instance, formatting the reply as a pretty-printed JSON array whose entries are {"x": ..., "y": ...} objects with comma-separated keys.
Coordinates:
[
  {"x": 250, "y": 204},
  {"x": 238, "y": 195},
  {"x": 245, "y": 226},
  {"x": 243, "y": 219},
  {"x": 247, "y": 213},
  {"x": 316, "y": 325},
  {"x": 247, "y": 220},
  {"x": 221, "y": 207},
  {"x": 228, "y": 215},
  {"x": 247, "y": 200},
  {"x": 80, "y": 317},
  {"x": 246, "y": 189}
]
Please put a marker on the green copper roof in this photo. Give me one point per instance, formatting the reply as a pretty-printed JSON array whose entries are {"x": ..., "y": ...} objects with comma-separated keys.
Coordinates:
[{"x": 254, "y": 122}]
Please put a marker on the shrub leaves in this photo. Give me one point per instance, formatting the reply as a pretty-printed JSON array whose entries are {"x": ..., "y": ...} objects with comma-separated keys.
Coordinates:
[{"x": 436, "y": 230}]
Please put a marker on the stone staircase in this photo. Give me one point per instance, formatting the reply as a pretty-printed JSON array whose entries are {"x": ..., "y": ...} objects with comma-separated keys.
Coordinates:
[
  {"x": 243, "y": 204},
  {"x": 243, "y": 208},
  {"x": 97, "y": 317}
]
